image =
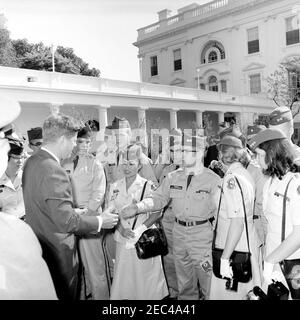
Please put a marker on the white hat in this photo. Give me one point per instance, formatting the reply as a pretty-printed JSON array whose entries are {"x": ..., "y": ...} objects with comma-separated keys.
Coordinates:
[{"x": 9, "y": 111}]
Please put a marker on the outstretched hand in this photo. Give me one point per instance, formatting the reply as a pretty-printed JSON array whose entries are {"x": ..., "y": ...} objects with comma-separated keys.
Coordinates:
[
  {"x": 129, "y": 211},
  {"x": 110, "y": 219}
]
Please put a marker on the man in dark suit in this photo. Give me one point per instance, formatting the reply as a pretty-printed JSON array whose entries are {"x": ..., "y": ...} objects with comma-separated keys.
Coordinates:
[{"x": 49, "y": 205}]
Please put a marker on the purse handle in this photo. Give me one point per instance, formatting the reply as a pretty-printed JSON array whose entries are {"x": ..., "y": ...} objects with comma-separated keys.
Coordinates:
[
  {"x": 245, "y": 217},
  {"x": 284, "y": 211},
  {"x": 142, "y": 196}
]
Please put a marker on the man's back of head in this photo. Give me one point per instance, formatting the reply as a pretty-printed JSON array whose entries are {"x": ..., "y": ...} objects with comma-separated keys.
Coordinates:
[{"x": 60, "y": 133}]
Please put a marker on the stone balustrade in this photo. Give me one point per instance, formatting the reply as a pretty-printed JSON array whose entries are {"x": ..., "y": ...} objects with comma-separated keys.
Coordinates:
[{"x": 201, "y": 12}]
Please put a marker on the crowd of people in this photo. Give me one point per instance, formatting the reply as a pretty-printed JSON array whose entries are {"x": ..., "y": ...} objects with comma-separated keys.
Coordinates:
[{"x": 70, "y": 219}]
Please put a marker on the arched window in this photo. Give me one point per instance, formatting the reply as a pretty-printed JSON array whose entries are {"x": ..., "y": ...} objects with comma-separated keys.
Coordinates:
[
  {"x": 218, "y": 47},
  {"x": 213, "y": 84},
  {"x": 212, "y": 57}
]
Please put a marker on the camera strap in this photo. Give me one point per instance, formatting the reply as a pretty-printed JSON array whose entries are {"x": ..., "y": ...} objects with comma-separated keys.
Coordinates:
[
  {"x": 284, "y": 211},
  {"x": 142, "y": 197}
]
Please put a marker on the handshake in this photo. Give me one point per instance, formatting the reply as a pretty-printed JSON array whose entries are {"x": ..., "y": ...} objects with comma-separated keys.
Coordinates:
[{"x": 111, "y": 217}]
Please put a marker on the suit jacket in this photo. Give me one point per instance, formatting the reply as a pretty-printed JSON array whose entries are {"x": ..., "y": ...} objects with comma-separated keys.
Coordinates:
[{"x": 49, "y": 210}]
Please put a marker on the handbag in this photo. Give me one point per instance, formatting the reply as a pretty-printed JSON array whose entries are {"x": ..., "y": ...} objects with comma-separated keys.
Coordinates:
[
  {"x": 153, "y": 242},
  {"x": 290, "y": 268},
  {"x": 239, "y": 261}
]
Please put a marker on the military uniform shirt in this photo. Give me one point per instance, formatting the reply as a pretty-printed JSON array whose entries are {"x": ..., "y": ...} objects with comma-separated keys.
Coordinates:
[
  {"x": 273, "y": 207},
  {"x": 11, "y": 195},
  {"x": 259, "y": 180},
  {"x": 192, "y": 204},
  {"x": 89, "y": 182}
]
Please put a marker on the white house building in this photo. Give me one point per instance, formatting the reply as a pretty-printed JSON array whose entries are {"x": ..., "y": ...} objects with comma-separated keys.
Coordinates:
[
  {"x": 102, "y": 99},
  {"x": 227, "y": 46}
]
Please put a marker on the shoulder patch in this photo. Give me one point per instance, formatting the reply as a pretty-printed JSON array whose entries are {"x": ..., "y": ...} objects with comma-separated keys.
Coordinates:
[
  {"x": 231, "y": 183},
  {"x": 153, "y": 187},
  {"x": 298, "y": 189}
]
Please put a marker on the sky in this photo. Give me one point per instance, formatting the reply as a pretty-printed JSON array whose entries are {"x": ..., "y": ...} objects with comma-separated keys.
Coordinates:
[{"x": 101, "y": 32}]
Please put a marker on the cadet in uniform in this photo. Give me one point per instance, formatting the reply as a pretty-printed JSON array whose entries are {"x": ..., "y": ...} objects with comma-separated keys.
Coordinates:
[
  {"x": 168, "y": 219},
  {"x": 122, "y": 133},
  {"x": 192, "y": 190},
  {"x": 259, "y": 179},
  {"x": 282, "y": 119},
  {"x": 35, "y": 138},
  {"x": 89, "y": 186},
  {"x": 231, "y": 230},
  {"x": 11, "y": 194},
  {"x": 279, "y": 168}
]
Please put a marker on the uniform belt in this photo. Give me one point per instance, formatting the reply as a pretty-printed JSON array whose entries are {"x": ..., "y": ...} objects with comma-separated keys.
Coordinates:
[
  {"x": 255, "y": 217},
  {"x": 194, "y": 223}
]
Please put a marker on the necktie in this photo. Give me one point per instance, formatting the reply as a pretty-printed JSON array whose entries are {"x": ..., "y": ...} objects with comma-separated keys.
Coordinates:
[
  {"x": 76, "y": 162},
  {"x": 189, "y": 179}
]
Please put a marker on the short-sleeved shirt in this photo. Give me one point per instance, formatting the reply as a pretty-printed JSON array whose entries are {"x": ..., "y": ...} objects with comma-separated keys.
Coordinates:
[
  {"x": 232, "y": 204},
  {"x": 89, "y": 181},
  {"x": 195, "y": 203},
  {"x": 11, "y": 195},
  {"x": 259, "y": 179},
  {"x": 273, "y": 208}
]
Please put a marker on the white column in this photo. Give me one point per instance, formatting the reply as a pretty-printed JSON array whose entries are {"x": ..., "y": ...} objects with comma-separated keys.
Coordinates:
[
  {"x": 55, "y": 107},
  {"x": 142, "y": 117},
  {"x": 142, "y": 129},
  {"x": 255, "y": 117},
  {"x": 238, "y": 117},
  {"x": 221, "y": 116},
  {"x": 199, "y": 119},
  {"x": 173, "y": 119},
  {"x": 103, "y": 116}
]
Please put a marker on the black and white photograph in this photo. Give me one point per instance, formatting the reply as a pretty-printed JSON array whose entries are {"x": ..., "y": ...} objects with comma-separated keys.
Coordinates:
[{"x": 149, "y": 154}]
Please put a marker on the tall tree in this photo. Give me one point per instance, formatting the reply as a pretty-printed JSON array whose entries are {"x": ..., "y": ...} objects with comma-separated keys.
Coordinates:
[
  {"x": 284, "y": 84},
  {"x": 7, "y": 53}
]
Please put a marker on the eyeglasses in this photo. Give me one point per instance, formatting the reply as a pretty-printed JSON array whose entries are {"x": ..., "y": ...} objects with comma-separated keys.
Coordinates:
[
  {"x": 17, "y": 157},
  {"x": 38, "y": 144}
]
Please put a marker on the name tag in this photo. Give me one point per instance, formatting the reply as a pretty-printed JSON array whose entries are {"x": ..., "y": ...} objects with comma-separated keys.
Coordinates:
[
  {"x": 176, "y": 187},
  {"x": 116, "y": 191},
  {"x": 202, "y": 191}
]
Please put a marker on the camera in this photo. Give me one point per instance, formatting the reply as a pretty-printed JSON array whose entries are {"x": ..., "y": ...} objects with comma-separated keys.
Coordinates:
[{"x": 232, "y": 285}]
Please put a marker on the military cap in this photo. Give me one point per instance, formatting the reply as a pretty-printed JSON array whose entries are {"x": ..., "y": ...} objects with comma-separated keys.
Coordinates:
[
  {"x": 85, "y": 132},
  {"x": 108, "y": 131},
  {"x": 223, "y": 125},
  {"x": 9, "y": 111},
  {"x": 175, "y": 133},
  {"x": 231, "y": 141},
  {"x": 280, "y": 115},
  {"x": 265, "y": 135},
  {"x": 16, "y": 147},
  {"x": 196, "y": 142},
  {"x": 35, "y": 133},
  {"x": 225, "y": 132},
  {"x": 93, "y": 124},
  {"x": 253, "y": 130},
  {"x": 120, "y": 123},
  {"x": 133, "y": 152}
]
